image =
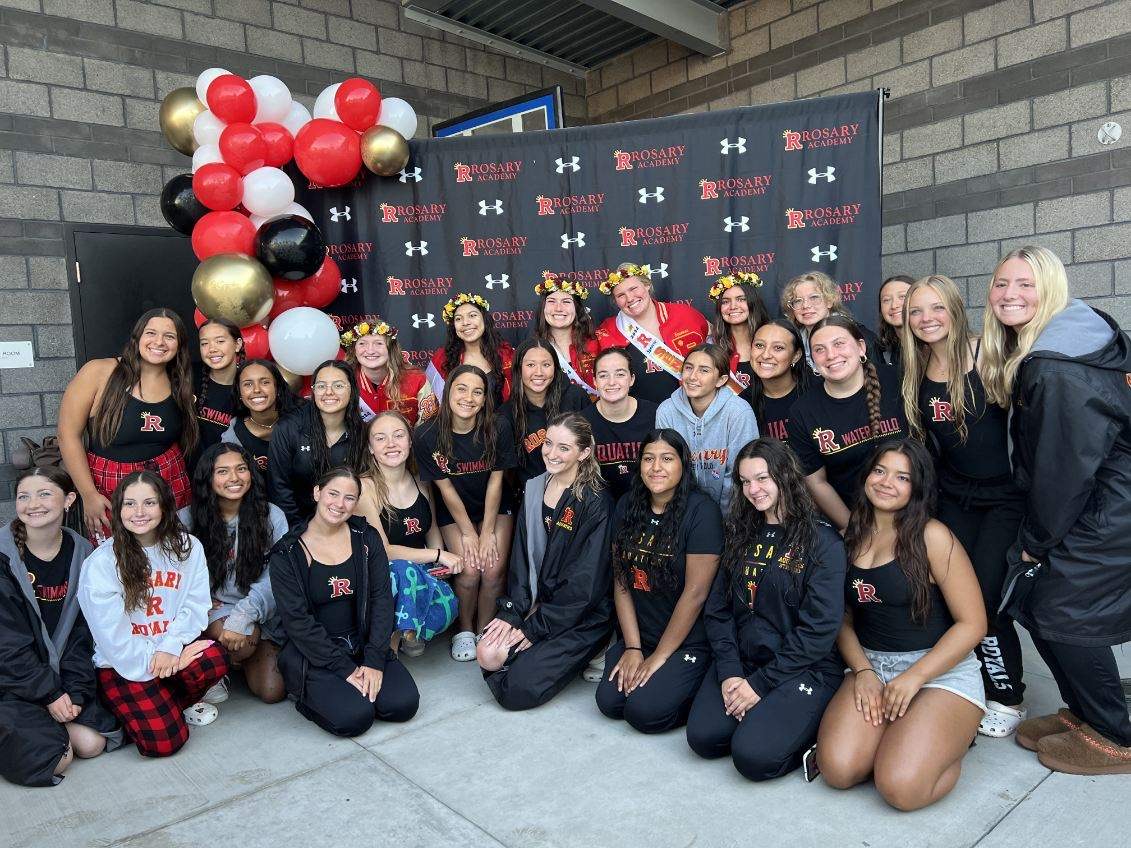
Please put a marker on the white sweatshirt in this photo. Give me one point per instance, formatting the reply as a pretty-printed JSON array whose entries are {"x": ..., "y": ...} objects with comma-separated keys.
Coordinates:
[{"x": 175, "y": 616}]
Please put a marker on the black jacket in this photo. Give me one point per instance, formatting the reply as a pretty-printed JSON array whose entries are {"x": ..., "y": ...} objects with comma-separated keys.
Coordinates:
[
  {"x": 1072, "y": 458},
  {"x": 798, "y": 610},
  {"x": 290, "y": 463},
  {"x": 307, "y": 642}
]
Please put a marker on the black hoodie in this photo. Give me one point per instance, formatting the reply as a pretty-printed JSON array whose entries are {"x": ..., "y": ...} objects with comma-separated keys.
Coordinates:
[
  {"x": 290, "y": 461},
  {"x": 1072, "y": 458}
]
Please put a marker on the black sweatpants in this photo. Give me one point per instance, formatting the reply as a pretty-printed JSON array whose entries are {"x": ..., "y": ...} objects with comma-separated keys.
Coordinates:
[
  {"x": 770, "y": 740},
  {"x": 339, "y": 708},
  {"x": 1088, "y": 679},
  {"x": 985, "y": 517},
  {"x": 665, "y": 700}
]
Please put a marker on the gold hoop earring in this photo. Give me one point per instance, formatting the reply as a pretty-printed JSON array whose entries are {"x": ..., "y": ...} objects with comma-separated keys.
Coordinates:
[{"x": 863, "y": 359}]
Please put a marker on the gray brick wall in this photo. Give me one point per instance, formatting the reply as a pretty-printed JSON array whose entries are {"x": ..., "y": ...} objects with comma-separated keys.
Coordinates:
[{"x": 80, "y": 86}]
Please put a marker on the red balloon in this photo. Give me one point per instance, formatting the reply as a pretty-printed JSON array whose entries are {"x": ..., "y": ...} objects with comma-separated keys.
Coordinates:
[
  {"x": 223, "y": 232},
  {"x": 358, "y": 103},
  {"x": 199, "y": 318},
  {"x": 231, "y": 99},
  {"x": 243, "y": 147},
  {"x": 328, "y": 152},
  {"x": 288, "y": 295},
  {"x": 321, "y": 288},
  {"x": 218, "y": 186},
  {"x": 280, "y": 143},
  {"x": 255, "y": 344}
]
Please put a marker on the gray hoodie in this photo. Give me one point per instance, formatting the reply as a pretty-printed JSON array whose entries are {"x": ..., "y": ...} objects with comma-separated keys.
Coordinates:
[{"x": 715, "y": 439}]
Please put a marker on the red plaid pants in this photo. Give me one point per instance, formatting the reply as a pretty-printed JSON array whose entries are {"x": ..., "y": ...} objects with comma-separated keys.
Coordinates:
[
  {"x": 108, "y": 473},
  {"x": 151, "y": 711}
]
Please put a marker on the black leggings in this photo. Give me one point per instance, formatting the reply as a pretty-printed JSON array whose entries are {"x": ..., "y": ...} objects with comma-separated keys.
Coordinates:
[
  {"x": 985, "y": 518},
  {"x": 339, "y": 708},
  {"x": 1088, "y": 679},
  {"x": 770, "y": 740},
  {"x": 665, "y": 700}
]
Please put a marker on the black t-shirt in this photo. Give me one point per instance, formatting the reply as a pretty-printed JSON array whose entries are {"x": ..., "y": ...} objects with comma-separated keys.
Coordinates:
[
  {"x": 409, "y": 526},
  {"x": 466, "y": 468},
  {"x": 700, "y": 532},
  {"x": 256, "y": 446},
  {"x": 530, "y": 459},
  {"x": 50, "y": 581},
  {"x": 835, "y": 434},
  {"x": 215, "y": 403},
  {"x": 333, "y": 593},
  {"x": 775, "y": 414},
  {"x": 985, "y": 454},
  {"x": 618, "y": 444},
  {"x": 653, "y": 383},
  {"x": 880, "y": 601}
]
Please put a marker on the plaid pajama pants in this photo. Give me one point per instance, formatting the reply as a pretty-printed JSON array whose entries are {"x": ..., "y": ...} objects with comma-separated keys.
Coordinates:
[
  {"x": 108, "y": 473},
  {"x": 151, "y": 711}
]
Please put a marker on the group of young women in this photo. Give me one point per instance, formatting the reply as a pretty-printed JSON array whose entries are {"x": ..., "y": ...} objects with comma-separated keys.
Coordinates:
[{"x": 775, "y": 532}]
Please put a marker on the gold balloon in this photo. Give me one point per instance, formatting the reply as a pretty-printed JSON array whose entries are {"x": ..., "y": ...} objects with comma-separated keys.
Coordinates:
[
  {"x": 293, "y": 380},
  {"x": 384, "y": 151},
  {"x": 234, "y": 287},
  {"x": 178, "y": 110}
]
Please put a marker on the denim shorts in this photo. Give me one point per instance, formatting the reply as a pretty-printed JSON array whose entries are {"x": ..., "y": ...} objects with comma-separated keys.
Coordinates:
[{"x": 964, "y": 679}]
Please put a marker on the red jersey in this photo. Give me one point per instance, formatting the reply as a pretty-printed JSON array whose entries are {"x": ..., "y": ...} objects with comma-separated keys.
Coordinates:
[
  {"x": 682, "y": 327},
  {"x": 417, "y": 402},
  {"x": 437, "y": 374}
]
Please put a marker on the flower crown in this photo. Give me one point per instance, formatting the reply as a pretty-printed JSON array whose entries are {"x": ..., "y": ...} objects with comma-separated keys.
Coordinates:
[
  {"x": 378, "y": 328},
  {"x": 550, "y": 284},
  {"x": 619, "y": 275},
  {"x": 739, "y": 278},
  {"x": 459, "y": 300}
]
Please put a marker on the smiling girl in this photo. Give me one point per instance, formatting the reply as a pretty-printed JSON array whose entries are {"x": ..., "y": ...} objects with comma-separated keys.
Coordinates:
[
  {"x": 782, "y": 376},
  {"x": 564, "y": 322},
  {"x": 262, "y": 398},
  {"x": 812, "y": 297},
  {"x": 384, "y": 380},
  {"x": 472, "y": 340},
  {"x": 892, "y": 295},
  {"x": 739, "y": 312},
  {"x": 221, "y": 352}
]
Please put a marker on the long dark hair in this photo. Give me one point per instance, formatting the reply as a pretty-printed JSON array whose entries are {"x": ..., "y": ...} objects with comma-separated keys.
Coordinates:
[
  {"x": 581, "y": 333},
  {"x": 483, "y": 430},
  {"x": 800, "y": 371},
  {"x": 53, "y": 474},
  {"x": 253, "y": 541},
  {"x": 757, "y": 315},
  {"x": 871, "y": 376},
  {"x": 205, "y": 371},
  {"x": 127, "y": 374},
  {"x": 172, "y": 538},
  {"x": 910, "y": 522},
  {"x": 889, "y": 335},
  {"x": 355, "y": 427},
  {"x": 518, "y": 401},
  {"x": 629, "y": 538},
  {"x": 796, "y": 510},
  {"x": 285, "y": 399},
  {"x": 491, "y": 343}
]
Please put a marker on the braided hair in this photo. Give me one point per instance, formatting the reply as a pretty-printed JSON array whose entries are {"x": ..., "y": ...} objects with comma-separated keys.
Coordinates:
[
  {"x": 54, "y": 475},
  {"x": 871, "y": 376},
  {"x": 205, "y": 371}
]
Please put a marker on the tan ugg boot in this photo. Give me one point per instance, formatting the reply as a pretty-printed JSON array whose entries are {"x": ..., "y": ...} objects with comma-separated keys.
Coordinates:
[
  {"x": 1032, "y": 730},
  {"x": 1083, "y": 751}
]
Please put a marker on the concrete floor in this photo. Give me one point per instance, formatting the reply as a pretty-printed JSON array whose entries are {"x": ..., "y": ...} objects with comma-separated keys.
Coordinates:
[{"x": 466, "y": 773}]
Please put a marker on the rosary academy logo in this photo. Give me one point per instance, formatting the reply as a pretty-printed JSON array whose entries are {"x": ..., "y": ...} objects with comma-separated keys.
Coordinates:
[
  {"x": 350, "y": 251},
  {"x": 941, "y": 410},
  {"x": 412, "y": 213},
  {"x": 589, "y": 278},
  {"x": 663, "y": 234},
  {"x": 758, "y": 263},
  {"x": 426, "y": 286},
  {"x": 649, "y": 157},
  {"x": 820, "y": 137},
  {"x": 822, "y": 216},
  {"x": 850, "y": 289},
  {"x": 513, "y": 319},
  {"x": 734, "y": 187},
  {"x": 570, "y": 204},
  {"x": 497, "y": 246},
  {"x": 488, "y": 171}
]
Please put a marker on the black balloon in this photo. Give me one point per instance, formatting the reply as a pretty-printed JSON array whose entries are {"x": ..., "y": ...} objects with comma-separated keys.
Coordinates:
[
  {"x": 179, "y": 205},
  {"x": 291, "y": 247}
]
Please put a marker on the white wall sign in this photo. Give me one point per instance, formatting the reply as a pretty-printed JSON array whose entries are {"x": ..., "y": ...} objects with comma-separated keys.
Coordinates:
[{"x": 16, "y": 355}]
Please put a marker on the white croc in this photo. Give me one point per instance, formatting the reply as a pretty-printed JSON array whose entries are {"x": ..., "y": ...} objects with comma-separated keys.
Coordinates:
[
  {"x": 1000, "y": 720},
  {"x": 201, "y": 714},
  {"x": 463, "y": 646},
  {"x": 217, "y": 693},
  {"x": 593, "y": 672}
]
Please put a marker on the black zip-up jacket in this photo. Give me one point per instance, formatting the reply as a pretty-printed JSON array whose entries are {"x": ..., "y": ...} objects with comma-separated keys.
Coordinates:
[
  {"x": 290, "y": 463},
  {"x": 1072, "y": 458},
  {"x": 798, "y": 611},
  {"x": 307, "y": 642}
]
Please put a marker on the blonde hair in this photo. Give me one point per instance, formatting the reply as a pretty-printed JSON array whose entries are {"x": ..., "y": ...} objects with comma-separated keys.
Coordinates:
[
  {"x": 396, "y": 366},
  {"x": 588, "y": 470},
  {"x": 1004, "y": 348},
  {"x": 824, "y": 283},
  {"x": 373, "y": 471},
  {"x": 916, "y": 354}
]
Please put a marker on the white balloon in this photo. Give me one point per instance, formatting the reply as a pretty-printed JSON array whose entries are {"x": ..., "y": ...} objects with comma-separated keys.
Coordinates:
[
  {"x": 272, "y": 97},
  {"x": 324, "y": 105},
  {"x": 290, "y": 209},
  {"x": 267, "y": 191},
  {"x": 396, "y": 114},
  {"x": 204, "y": 80},
  {"x": 303, "y": 337},
  {"x": 206, "y": 129},
  {"x": 297, "y": 118},
  {"x": 204, "y": 155}
]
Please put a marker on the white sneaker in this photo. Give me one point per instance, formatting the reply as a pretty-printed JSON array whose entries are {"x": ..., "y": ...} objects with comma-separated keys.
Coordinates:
[
  {"x": 593, "y": 672},
  {"x": 463, "y": 646},
  {"x": 217, "y": 693}
]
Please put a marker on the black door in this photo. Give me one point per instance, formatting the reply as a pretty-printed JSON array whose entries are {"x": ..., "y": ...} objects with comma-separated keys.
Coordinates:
[{"x": 121, "y": 272}]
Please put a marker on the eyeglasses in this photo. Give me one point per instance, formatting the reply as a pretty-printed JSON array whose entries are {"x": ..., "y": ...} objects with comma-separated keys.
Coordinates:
[
  {"x": 811, "y": 300},
  {"x": 337, "y": 386}
]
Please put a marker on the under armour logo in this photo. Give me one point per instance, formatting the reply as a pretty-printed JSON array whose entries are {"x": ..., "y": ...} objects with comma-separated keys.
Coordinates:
[
  {"x": 828, "y": 175},
  {"x": 574, "y": 164},
  {"x": 335, "y": 215},
  {"x": 830, "y": 254},
  {"x": 801, "y": 687},
  {"x": 657, "y": 195},
  {"x": 349, "y": 285},
  {"x": 500, "y": 282},
  {"x": 727, "y": 147},
  {"x": 578, "y": 239},
  {"x": 304, "y": 448},
  {"x": 661, "y": 269},
  {"x": 407, "y": 175},
  {"x": 742, "y": 223},
  {"x": 689, "y": 658},
  {"x": 496, "y": 207},
  {"x": 410, "y": 248},
  {"x": 419, "y": 321}
]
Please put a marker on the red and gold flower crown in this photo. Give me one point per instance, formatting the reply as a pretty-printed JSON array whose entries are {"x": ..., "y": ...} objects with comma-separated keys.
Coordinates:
[
  {"x": 623, "y": 272},
  {"x": 551, "y": 284},
  {"x": 377, "y": 328},
  {"x": 459, "y": 300},
  {"x": 738, "y": 278}
]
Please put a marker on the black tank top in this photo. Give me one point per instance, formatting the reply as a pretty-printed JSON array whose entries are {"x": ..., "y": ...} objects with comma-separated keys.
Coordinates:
[
  {"x": 148, "y": 429},
  {"x": 880, "y": 600},
  {"x": 409, "y": 526},
  {"x": 333, "y": 594},
  {"x": 985, "y": 454},
  {"x": 214, "y": 407}
]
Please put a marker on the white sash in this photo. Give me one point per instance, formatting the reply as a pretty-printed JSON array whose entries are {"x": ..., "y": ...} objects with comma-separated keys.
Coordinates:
[
  {"x": 363, "y": 409},
  {"x": 571, "y": 372},
  {"x": 651, "y": 346}
]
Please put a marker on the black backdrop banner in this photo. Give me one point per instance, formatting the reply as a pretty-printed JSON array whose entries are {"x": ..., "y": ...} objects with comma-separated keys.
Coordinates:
[{"x": 778, "y": 190}]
